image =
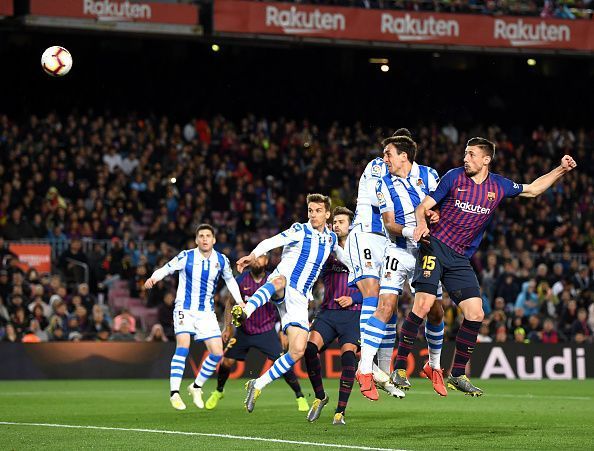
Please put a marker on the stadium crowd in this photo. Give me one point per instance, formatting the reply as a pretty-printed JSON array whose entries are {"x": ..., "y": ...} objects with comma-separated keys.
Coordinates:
[
  {"x": 559, "y": 9},
  {"x": 124, "y": 194}
]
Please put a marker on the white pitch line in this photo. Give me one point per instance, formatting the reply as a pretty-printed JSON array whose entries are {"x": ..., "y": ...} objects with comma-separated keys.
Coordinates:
[{"x": 201, "y": 434}]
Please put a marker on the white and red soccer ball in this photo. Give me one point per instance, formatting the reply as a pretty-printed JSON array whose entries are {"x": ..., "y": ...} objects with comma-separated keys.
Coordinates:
[{"x": 56, "y": 61}]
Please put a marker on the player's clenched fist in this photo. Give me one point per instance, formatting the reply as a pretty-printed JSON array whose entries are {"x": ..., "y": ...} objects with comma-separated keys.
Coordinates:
[
  {"x": 568, "y": 163},
  {"x": 244, "y": 262},
  {"x": 150, "y": 283}
]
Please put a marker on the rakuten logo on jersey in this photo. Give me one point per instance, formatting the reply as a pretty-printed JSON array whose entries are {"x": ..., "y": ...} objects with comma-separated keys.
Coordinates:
[
  {"x": 467, "y": 207},
  {"x": 294, "y": 21},
  {"x": 108, "y": 10},
  {"x": 519, "y": 33},
  {"x": 409, "y": 28}
]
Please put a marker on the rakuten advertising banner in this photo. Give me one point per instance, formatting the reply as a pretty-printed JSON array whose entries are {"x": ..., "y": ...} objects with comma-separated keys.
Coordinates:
[
  {"x": 116, "y": 10},
  {"x": 403, "y": 27}
]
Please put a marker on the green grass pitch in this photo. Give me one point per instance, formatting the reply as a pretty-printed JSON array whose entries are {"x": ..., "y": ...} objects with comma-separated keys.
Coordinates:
[{"x": 511, "y": 415}]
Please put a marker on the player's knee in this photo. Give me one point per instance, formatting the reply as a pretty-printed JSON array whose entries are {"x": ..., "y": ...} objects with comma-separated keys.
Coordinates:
[
  {"x": 475, "y": 315},
  {"x": 311, "y": 350},
  {"x": 279, "y": 282},
  {"x": 297, "y": 350},
  {"x": 227, "y": 363}
]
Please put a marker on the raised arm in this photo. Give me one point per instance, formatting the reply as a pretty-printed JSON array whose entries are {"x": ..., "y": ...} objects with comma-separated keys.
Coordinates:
[
  {"x": 289, "y": 236},
  {"x": 544, "y": 182},
  {"x": 175, "y": 264}
]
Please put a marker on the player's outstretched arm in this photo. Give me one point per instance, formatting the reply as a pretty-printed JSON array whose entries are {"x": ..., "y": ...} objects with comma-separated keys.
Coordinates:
[
  {"x": 175, "y": 264},
  {"x": 422, "y": 230},
  {"x": 544, "y": 182},
  {"x": 292, "y": 235}
]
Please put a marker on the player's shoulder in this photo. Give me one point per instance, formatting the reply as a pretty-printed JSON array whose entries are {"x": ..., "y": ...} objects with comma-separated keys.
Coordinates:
[
  {"x": 222, "y": 258},
  {"x": 184, "y": 254},
  {"x": 498, "y": 178},
  {"x": 376, "y": 167},
  {"x": 430, "y": 170}
]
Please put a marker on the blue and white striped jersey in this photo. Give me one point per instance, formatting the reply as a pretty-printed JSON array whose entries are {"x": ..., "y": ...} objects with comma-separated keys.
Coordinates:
[
  {"x": 403, "y": 195},
  {"x": 198, "y": 278},
  {"x": 305, "y": 250},
  {"x": 367, "y": 214}
]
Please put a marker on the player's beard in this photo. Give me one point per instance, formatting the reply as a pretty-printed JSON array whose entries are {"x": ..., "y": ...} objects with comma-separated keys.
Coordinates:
[
  {"x": 469, "y": 172},
  {"x": 258, "y": 271}
]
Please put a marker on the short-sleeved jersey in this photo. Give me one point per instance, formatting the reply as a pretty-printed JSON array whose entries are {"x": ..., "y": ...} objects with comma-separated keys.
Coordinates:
[
  {"x": 264, "y": 318},
  {"x": 198, "y": 278},
  {"x": 467, "y": 208},
  {"x": 335, "y": 276},
  {"x": 402, "y": 195},
  {"x": 367, "y": 215},
  {"x": 304, "y": 254}
]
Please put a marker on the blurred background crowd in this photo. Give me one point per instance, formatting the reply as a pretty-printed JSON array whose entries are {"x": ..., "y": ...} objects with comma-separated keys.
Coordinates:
[{"x": 117, "y": 197}]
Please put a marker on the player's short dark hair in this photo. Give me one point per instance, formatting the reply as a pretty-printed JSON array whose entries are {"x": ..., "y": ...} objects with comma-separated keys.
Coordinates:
[
  {"x": 319, "y": 199},
  {"x": 404, "y": 144},
  {"x": 344, "y": 211},
  {"x": 205, "y": 227},
  {"x": 486, "y": 146},
  {"x": 403, "y": 132}
]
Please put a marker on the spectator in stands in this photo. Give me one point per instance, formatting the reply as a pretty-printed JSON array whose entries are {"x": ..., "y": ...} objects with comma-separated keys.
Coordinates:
[
  {"x": 10, "y": 334},
  {"x": 17, "y": 227},
  {"x": 88, "y": 300},
  {"x": 67, "y": 262},
  {"x": 483, "y": 335},
  {"x": 36, "y": 329},
  {"x": 527, "y": 300},
  {"x": 548, "y": 333},
  {"x": 157, "y": 334},
  {"x": 124, "y": 332},
  {"x": 507, "y": 286},
  {"x": 520, "y": 335},
  {"x": 580, "y": 325},
  {"x": 568, "y": 317},
  {"x": 128, "y": 318},
  {"x": 98, "y": 327}
]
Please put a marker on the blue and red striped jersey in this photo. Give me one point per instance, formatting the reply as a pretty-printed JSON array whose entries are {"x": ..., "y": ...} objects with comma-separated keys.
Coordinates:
[
  {"x": 335, "y": 277},
  {"x": 265, "y": 317},
  {"x": 467, "y": 208}
]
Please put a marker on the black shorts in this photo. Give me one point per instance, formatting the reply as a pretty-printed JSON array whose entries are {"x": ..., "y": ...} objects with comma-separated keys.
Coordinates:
[
  {"x": 341, "y": 324},
  {"x": 435, "y": 262},
  {"x": 268, "y": 343}
]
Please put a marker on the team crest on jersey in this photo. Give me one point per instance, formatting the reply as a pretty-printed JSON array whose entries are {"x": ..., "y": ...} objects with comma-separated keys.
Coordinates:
[
  {"x": 426, "y": 274},
  {"x": 491, "y": 196},
  {"x": 217, "y": 266},
  {"x": 420, "y": 183}
]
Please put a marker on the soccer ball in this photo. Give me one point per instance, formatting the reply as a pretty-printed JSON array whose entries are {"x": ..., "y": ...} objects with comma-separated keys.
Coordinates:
[{"x": 56, "y": 61}]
